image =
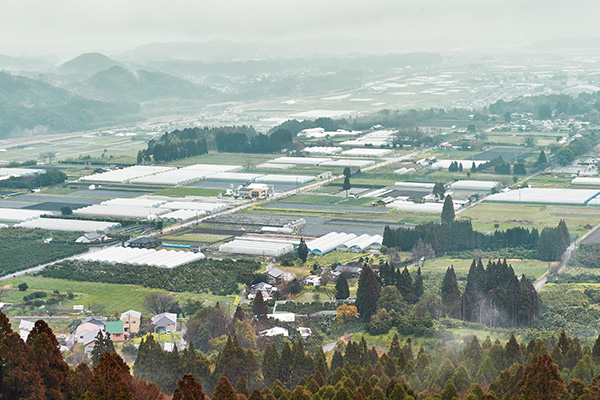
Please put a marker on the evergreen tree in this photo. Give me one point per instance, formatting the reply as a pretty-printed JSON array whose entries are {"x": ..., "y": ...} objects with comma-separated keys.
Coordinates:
[
  {"x": 439, "y": 190},
  {"x": 460, "y": 167},
  {"x": 103, "y": 344},
  {"x": 418, "y": 284},
  {"x": 241, "y": 387},
  {"x": 541, "y": 380},
  {"x": 563, "y": 231},
  {"x": 45, "y": 353},
  {"x": 395, "y": 351},
  {"x": 347, "y": 186},
  {"x": 405, "y": 286},
  {"x": 542, "y": 160},
  {"x": 513, "y": 351},
  {"x": 302, "y": 250},
  {"x": 224, "y": 390},
  {"x": 342, "y": 291},
  {"x": 450, "y": 294},
  {"x": 188, "y": 389},
  {"x": 259, "y": 308},
  {"x": 448, "y": 210},
  {"x": 367, "y": 294},
  {"x": 347, "y": 173},
  {"x": 270, "y": 365},
  {"x": 108, "y": 380},
  {"x": 473, "y": 168}
]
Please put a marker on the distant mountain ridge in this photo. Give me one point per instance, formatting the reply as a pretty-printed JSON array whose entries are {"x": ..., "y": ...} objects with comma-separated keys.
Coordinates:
[
  {"x": 28, "y": 105},
  {"x": 87, "y": 64}
]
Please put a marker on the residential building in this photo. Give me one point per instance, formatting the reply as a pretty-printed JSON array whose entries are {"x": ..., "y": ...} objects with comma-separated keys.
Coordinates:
[
  {"x": 265, "y": 288},
  {"x": 131, "y": 321},
  {"x": 24, "y": 328},
  {"x": 274, "y": 332},
  {"x": 166, "y": 322},
  {"x": 96, "y": 320},
  {"x": 144, "y": 243},
  {"x": 277, "y": 276},
  {"x": 115, "y": 330}
]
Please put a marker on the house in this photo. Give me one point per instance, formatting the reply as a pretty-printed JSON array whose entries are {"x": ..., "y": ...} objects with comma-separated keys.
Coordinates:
[
  {"x": 263, "y": 287},
  {"x": 312, "y": 280},
  {"x": 115, "y": 330},
  {"x": 349, "y": 270},
  {"x": 166, "y": 322},
  {"x": 304, "y": 332},
  {"x": 274, "y": 332},
  {"x": 131, "y": 321},
  {"x": 89, "y": 237},
  {"x": 88, "y": 340},
  {"x": 144, "y": 243},
  {"x": 24, "y": 328},
  {"x": 277, "y": 276},
  {"x": 96, "y": 320},
  {"x": 84, "y": 329}
]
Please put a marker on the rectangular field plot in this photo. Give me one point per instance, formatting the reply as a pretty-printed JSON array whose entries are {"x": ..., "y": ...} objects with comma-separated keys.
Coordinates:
[{"x": 485, "y": 216}]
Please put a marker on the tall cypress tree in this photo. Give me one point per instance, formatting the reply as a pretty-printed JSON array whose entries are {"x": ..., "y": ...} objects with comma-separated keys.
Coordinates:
[
  {"x": 259, "y": 308},
  {"x": 102, "y": 345},
  {"x": 564, "y": 233},
  {"x": 450, "y": 294},
  {"x": 448, "y": 210},
  {"x": 367, "y": 293},
  {"x": 302, "y": 250},
  {"x": 188, "y": 389},
  {"x": 271, "y": 364},
  {"x": 342, "y": 291},
  {"x": 418, "y": 284}
]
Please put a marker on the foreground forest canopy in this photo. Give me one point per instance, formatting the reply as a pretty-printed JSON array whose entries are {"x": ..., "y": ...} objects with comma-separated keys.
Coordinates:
[{"x": 35, "y": 369}]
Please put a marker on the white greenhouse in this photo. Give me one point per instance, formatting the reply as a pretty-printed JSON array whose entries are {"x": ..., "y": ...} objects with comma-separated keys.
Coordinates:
[
  {"x": 181, "y": 215},
  {"x": 367, "y": 152},
  {"x": 305, "y": 161},
  {"x": 547, "y": 196},
  {"x": 321, "y": 150},
  {"x": 125, "y": 175},
  {"x": 474, "y": 186},
  {"x": 256, "y": 247},
  {"x": 20, "y": 215},
  {"x": 135, "y": 202},
  {"x": 128, "y": 255},
  {"x": 233, "y": 176},
  {"x": 362, "y": 243},
  {"x": 71, "y": 225},
  {"x": 186, "y": 175},
  {"x": 6, "y": 173},
  {"x": 586, "y": 181},
  {"x": 192, "y": 205},
  {"x": 417, "y": 207},
  {"x": 286, "y": 179},
  {"x": 120, "y": 211},
  {"x": 329, "y": 242},
  {"x": 414, "y": 185},
  {"x": 348, "y": 163}
]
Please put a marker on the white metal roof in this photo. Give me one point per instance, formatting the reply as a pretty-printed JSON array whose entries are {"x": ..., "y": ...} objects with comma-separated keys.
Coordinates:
[{"x": 73, "y": 225}]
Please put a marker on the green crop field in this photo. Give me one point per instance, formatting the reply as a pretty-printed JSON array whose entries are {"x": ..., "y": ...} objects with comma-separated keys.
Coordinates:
[
  {"x": 485, "y": 215},
  {"x": 114, "y": 297},
  {"x": 531, "y": 268}
]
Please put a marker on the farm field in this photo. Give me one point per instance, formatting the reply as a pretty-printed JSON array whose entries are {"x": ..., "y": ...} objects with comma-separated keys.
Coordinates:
[
  {"x": 113, "y": 297},
  {"x": 485, "y": 216}
]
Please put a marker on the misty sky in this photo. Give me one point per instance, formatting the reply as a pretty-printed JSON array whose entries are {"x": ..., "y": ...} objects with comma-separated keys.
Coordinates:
[{"x": 30, "y": 27}]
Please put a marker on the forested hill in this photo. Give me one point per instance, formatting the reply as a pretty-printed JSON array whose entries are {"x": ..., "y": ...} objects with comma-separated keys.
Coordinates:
[
  {"x": 28, "y": 105},
  {"x": 118, "y": 83}
]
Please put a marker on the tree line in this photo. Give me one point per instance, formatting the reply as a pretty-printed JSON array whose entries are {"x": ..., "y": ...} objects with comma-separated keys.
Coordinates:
[
  {"x": 459, "y": 235},
  {"x": 238, "y": 142},
  {"x": 52, "y": 177}
]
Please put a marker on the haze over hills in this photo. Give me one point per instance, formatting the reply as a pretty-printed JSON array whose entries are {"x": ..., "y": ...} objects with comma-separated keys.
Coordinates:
[
  {"x": 87, "y": 64},
  {"x": 32, "y": 106},
  {"x": 120, "y": 84}
]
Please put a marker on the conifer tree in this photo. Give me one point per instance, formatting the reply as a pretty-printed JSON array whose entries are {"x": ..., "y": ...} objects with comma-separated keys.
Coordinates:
[
  {"x": 347, "y": 185},
  {"x": 542, "y": 160},
  {"x": 473, "y": 168},
  {"x": 103, "y": 344},
  {"x": 342, "y": 291},
  {"x": 448, "y": 210},
  {"x": 45, "y": 353},
  {"x": 541, "y": 380},
  {"x": 259, "y": 308},
  {"x": 337, "y": 361},
  {"x": 108, "y": 381},
  {"x": 450, "y": 294},
  {"x": 513, "y": 351},
  {"x": 224, "y": 390},
  {"x": 241, "y": 387},
  {"x": 286, "y": 363},
  {"x": 81, "y": 379},
  {"x": 270, "y": 365},
  {"x": 367, "y": 294},
  {"x": 188, "y": 389},
  {"x": 418, "y": 284},
  {"x": 302, "y": 250},
  {"x": 256, "y": 395},
  {"x": 19, "y": 376},
  {"x": 395, "y": 350}
]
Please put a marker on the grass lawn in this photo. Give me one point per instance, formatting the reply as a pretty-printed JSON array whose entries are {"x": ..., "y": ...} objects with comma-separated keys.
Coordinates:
[
  {"x": 185, "y": 191},
  {"x": 114, "y": 297},
  {"x": 163, "y": 337},
  {"x": 531, "y": 268},
  {"x": 485, "y": 215},
  {"x": 335, "y": 257}
]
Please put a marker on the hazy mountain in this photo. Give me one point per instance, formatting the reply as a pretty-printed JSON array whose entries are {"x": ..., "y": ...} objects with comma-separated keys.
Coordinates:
[
  {"x": 8, "y": 63},
  {"x": 214, "y": 50},
  {"x": 120, "y": 84},
  {"x": 28, "y": 106},
  {"x": 87, "y": 64}
]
